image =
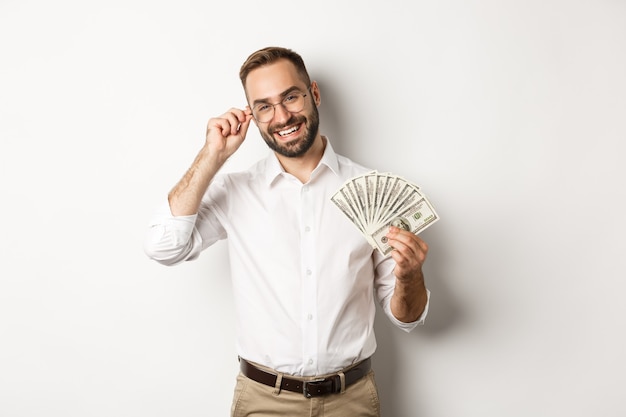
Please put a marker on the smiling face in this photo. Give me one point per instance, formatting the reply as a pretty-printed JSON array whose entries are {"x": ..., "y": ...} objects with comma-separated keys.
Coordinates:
[{"x": 288, "y": 134}]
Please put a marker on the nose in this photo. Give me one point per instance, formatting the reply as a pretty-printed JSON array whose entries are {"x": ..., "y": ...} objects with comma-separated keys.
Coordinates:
[{"x": 280, "y": 113}]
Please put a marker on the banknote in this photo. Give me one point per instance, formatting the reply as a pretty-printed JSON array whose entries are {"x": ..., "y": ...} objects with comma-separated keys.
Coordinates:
[{"x": 374, "y": 201}]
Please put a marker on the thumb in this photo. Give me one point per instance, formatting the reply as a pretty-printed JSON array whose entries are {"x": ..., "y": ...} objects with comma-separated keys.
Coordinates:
[{"x": 243, "y": 127}]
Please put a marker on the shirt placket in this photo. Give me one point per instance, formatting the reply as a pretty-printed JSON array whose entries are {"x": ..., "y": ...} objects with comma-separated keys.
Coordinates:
[{"x": 309, "y": 281}]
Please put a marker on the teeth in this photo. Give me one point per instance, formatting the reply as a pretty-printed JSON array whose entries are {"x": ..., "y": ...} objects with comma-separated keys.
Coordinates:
[{"x": 288, "y": 131}]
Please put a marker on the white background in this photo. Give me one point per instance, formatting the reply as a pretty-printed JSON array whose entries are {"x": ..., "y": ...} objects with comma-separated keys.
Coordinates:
[{"x": 509, "y": 114}]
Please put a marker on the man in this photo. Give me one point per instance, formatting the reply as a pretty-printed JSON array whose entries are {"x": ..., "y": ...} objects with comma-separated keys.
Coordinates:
[{"x": 304, "y": 279}]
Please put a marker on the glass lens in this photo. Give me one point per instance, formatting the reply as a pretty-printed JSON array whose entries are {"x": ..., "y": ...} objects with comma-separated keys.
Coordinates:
[
  {"x": 263, "y": 112},
  {"x": 294, "y": 102}
]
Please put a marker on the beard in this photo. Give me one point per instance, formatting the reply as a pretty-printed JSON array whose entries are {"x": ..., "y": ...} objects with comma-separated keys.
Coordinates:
[{"x": 299, "y": 147}]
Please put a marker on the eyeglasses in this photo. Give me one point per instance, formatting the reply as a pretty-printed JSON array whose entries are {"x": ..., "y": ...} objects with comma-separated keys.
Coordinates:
[{"x": 293, "y": 103}]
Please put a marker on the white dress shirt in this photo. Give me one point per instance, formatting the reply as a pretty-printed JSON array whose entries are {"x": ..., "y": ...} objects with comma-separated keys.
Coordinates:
[{"x": 304, "y": 278}]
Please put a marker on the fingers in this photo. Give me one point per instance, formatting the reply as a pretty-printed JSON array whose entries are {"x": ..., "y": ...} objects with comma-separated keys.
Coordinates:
[
  {"x": 245, "y": 124},
  {"x": 233, "y": 122},
  {"x": 410, "y": 250},
  {"x": 406, "y": 238}
]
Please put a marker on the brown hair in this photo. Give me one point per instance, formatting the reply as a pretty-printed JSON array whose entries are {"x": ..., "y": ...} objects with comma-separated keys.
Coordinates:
[{"x": 270, "y": 55}]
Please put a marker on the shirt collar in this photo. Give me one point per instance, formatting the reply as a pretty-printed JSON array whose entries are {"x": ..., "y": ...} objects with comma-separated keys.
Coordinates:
[{"x": 273, "y": 168}]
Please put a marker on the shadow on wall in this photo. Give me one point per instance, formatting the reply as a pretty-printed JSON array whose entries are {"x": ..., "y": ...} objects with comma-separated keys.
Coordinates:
[
  {"x": 333, "y": 120},
  {"x": 444, "y": 316}
]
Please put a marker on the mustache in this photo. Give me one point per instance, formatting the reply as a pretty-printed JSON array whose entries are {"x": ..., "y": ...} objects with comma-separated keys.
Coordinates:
[{"x": 292, "y": 121}]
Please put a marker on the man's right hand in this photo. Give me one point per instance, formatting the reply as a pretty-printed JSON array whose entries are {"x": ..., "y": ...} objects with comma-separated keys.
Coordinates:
[{"x": 227, "y": 132}]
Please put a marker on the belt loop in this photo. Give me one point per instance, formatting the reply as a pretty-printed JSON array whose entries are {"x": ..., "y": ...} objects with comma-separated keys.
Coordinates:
[
  {"x": 279, "y": 380},
  {"x": 342, "y": 378}
]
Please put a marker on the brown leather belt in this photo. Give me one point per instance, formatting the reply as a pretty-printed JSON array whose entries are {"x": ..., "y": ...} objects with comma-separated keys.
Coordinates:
[{"x": 310, "y": 388}]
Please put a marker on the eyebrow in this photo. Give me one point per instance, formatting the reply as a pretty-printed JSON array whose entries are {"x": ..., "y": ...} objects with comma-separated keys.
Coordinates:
[{"x": 282, "y": 95}]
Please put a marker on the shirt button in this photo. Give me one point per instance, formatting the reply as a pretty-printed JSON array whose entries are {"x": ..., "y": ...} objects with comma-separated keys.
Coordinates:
[
  {"x": 305, "y": 189},
  {"x": 310, "y": 361},
  {"x": 310, "y": 317},
  {"x": 307, "y": 229},
  {"x": 308, "y": 271}
]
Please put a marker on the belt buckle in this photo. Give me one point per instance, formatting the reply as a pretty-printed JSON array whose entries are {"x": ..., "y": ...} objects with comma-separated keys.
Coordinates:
[{"x": 314, "y": 392}]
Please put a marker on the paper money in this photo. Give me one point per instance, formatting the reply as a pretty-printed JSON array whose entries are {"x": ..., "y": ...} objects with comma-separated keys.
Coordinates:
[{"x": 375, "y": 201}]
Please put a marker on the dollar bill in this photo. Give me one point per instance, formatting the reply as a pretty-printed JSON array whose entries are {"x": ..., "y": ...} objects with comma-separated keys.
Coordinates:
[
  {"x": 374, "y": 201},
  {"x": 417, "y": 217}
]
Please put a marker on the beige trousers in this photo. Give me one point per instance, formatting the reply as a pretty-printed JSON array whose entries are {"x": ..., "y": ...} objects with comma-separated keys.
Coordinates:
[{"x": 254, "y": 399}]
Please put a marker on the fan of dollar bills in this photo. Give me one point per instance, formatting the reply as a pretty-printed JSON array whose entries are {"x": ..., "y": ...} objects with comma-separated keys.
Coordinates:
[{"x": 374, "y": 201}]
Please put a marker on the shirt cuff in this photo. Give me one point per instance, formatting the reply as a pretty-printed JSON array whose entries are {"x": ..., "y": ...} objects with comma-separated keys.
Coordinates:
[
  {"x": 178, "y": 228},
  {"x": 407, "y": 327}
]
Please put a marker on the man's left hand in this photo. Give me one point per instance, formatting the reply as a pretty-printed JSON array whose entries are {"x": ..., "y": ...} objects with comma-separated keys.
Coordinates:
[{"x": 409, "y": 253}]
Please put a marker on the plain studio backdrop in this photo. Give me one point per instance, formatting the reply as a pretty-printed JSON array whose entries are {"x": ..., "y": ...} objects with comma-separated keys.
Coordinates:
[{"x": 511, "y": 116}]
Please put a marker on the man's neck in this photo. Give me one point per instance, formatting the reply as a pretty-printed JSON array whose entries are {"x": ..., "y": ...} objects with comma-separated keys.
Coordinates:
[{"x": 302, "y": 166}]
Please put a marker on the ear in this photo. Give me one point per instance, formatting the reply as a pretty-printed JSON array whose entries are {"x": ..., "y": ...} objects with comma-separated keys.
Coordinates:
[{"x": 315, "y": 91}]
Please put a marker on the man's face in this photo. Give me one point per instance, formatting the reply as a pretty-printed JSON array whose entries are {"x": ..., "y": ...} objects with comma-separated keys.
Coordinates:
[{"x": 288, "y": 134}]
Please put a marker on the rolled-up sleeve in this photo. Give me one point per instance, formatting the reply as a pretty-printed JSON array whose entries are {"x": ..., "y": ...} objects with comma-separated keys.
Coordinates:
[{"x": 172, "y": 239}]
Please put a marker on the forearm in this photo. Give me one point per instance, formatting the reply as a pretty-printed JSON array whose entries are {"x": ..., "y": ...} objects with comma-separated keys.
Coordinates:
[
  {"x": 224, "y": 136},
  {"x": 409, "y": 298},
  {"x": 186, "y": 196}
]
